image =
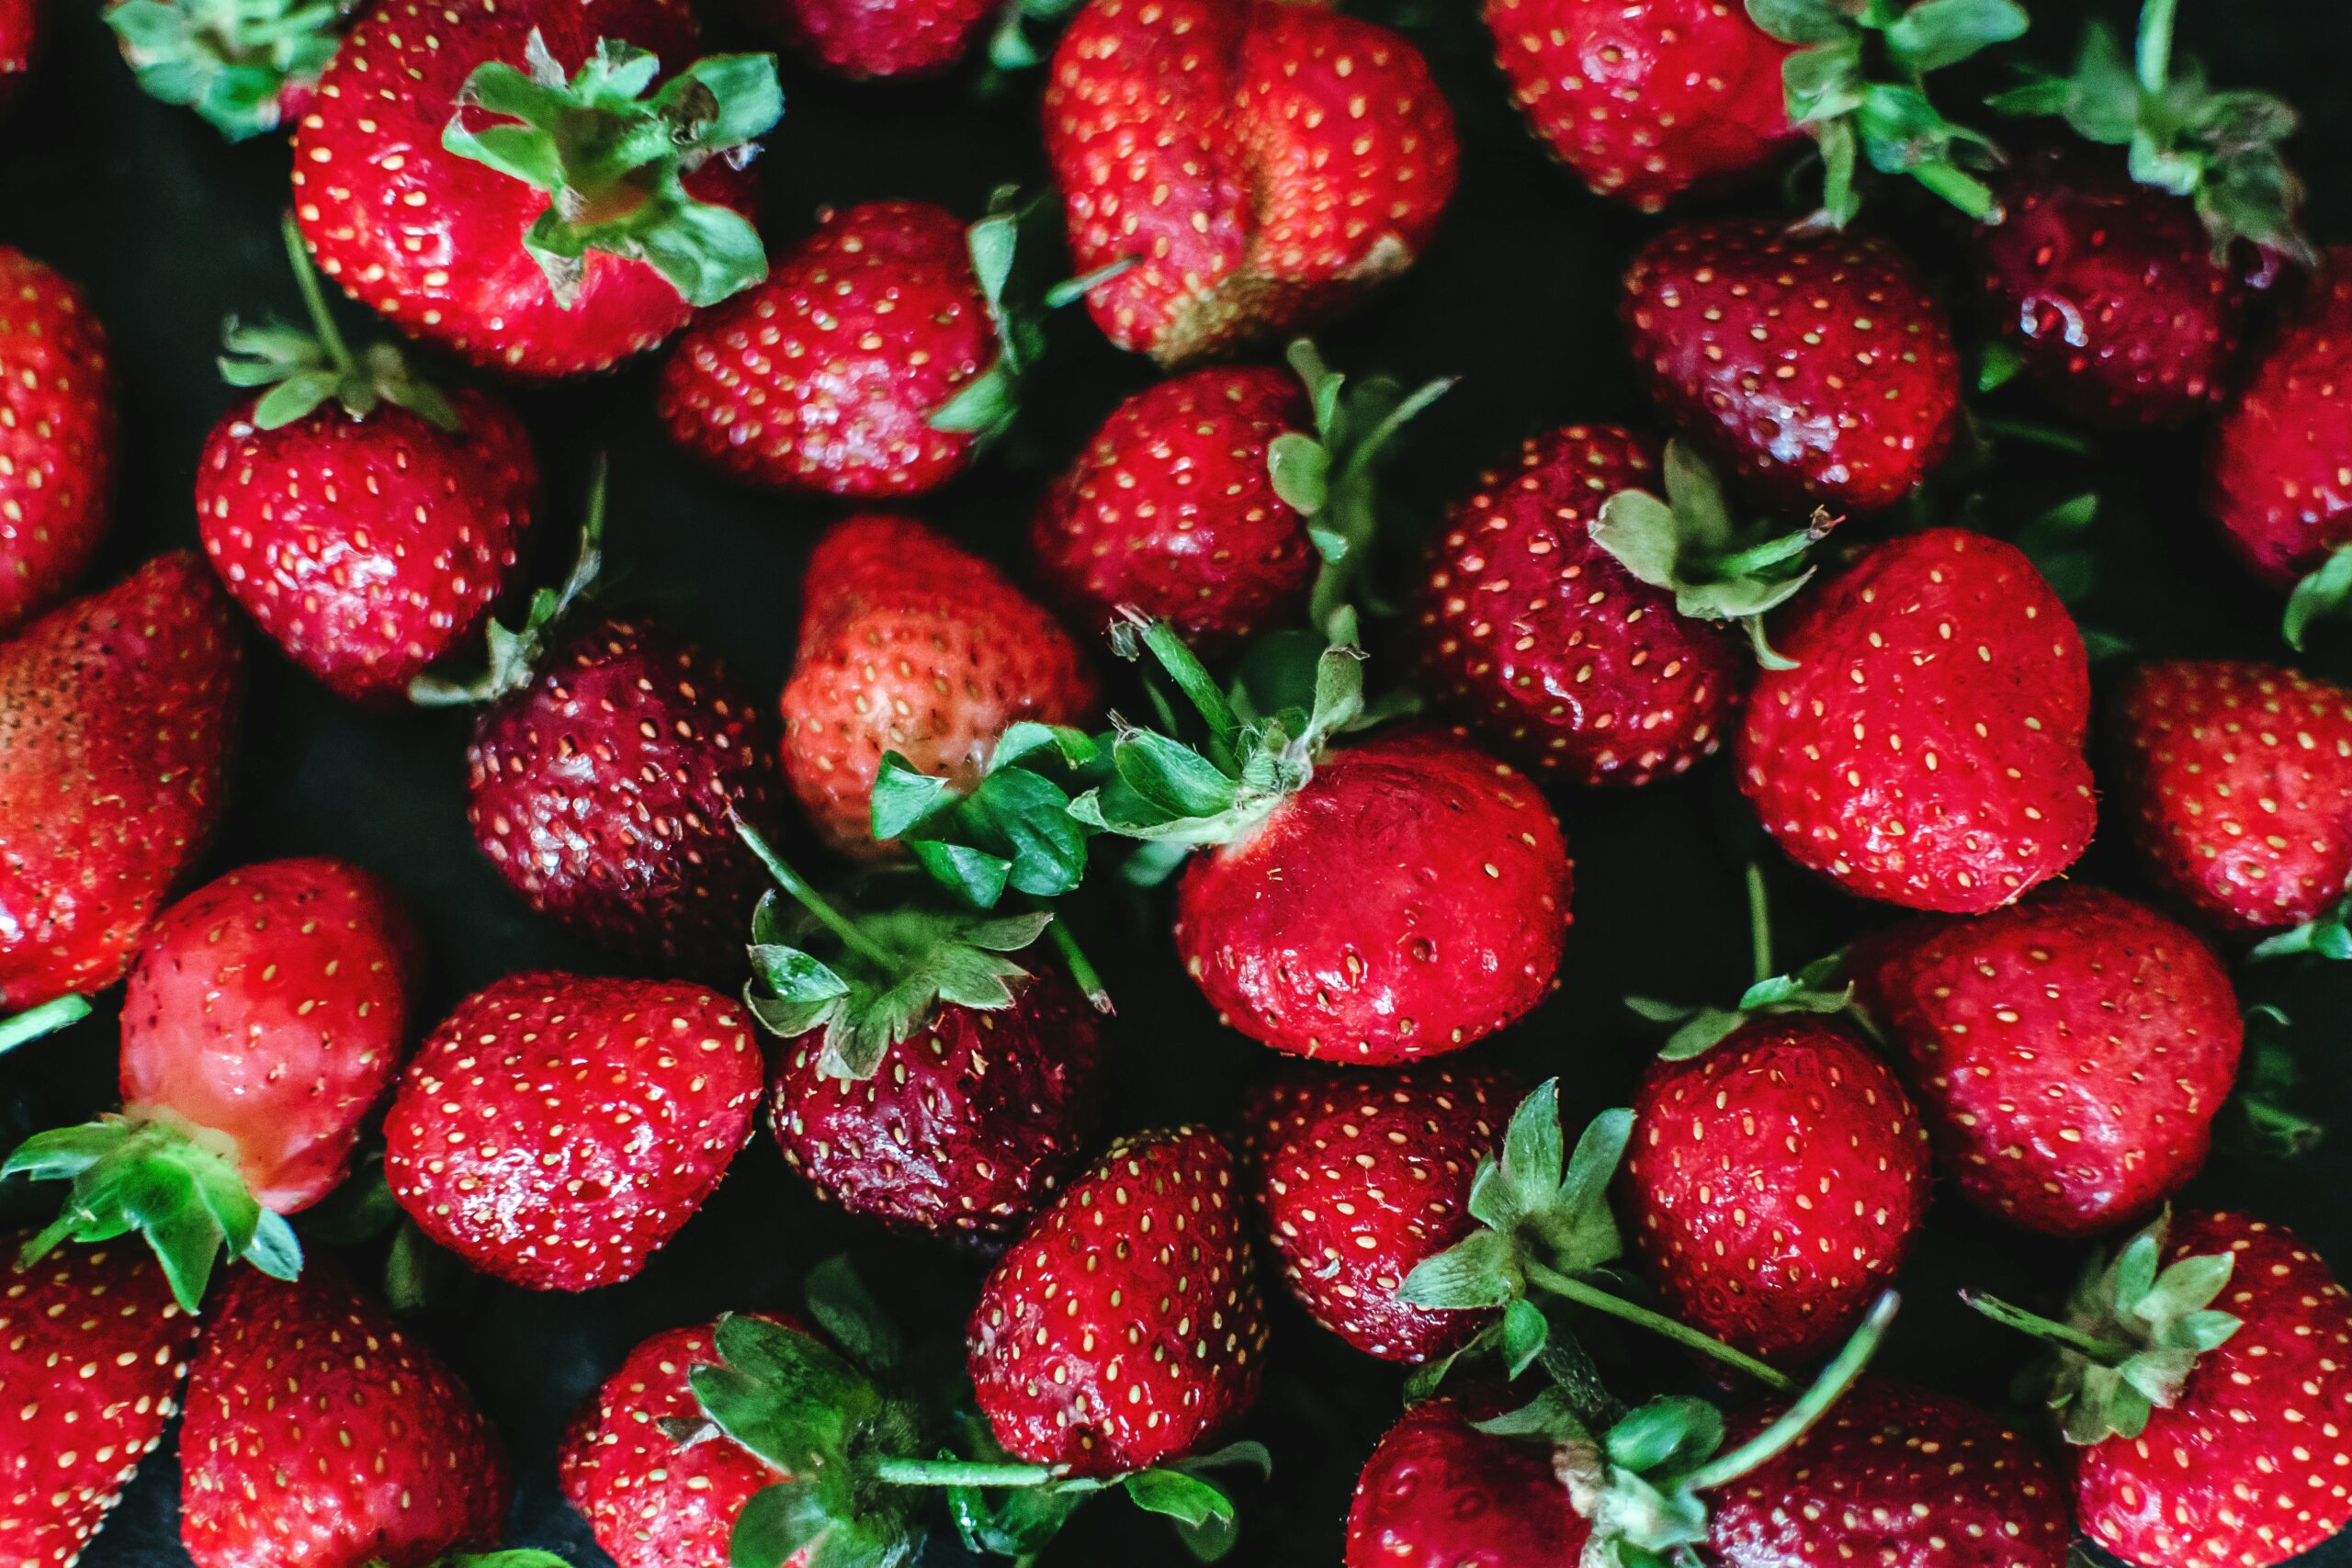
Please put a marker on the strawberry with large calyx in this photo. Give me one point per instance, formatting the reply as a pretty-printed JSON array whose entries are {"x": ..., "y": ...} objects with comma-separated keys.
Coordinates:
[{"x": 247, "y": 66}]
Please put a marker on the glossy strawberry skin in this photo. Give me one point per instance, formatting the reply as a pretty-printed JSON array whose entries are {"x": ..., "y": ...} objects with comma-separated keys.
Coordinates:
[
  {"x": 2070, "y": 1052},
  {"x": 824, "y": 377},
  {"x": 1926, "y": 750},
  {"x": 2238, "y": 780},
  {"x": 367, "y": 548},
  {"x": 910, "y": 644},
  {"x": 1817, "y": 366},
  {"x": 116, "y": 715},
  {"x": 864, "y": 38},
  {"x": 1645, "y": 100},
  {"x": 2109, "y": 290},
  {"x": 1547, "y": 648},
  {"x": 1896, "y": 1476},
  {"x": 1125, "y": 1328},
  {"x": 2247, "y": 1468},
  {"x": 270, "y": 1008},
  {"x": 1411, "y": 899},
  {"x": 603, "y": 793},
  {"x": 1267, "y": 164},
  {"x": 1359, "y": 1176},
  {"x": 91, "y": 1352},
  {"x": 1438, "y": 1493},
  {"x": 291, "y": 1372},
  {"x": 57, "y": 433},
  {"x": 2273, "y": 477},
  {"x": 1171, "y": 508},
  {"x": 968, "y": 1126},
  {"x": 433, "y": 240},
  {"x": 556, "y": 1131},
  {"x": 1774, "y": 1185}
]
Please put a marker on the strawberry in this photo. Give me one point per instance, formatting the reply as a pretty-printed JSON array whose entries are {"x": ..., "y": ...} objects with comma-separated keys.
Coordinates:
[
  {"x": 20, "y": 43},
  {"x": 57, "y": 436},
  {"x": 1817, "y": 366},
  {"x": 1263, "y": 165},
  {"x": 91, "y": 1351},
  {"x": 365, "y": 520},
  {"x": 1124, "y": 1327},
  {"x": 555, "y": 1130},
  {"x": 909, "y": 644},
  {"x": 293, "y": 1372},
  {"x": 1926, "y": 746},
  {"x": 2238, "y": 779},
  {"x": 2203, "y": 1378},
  {"x": 1360, "y": 1176},
  {"x": 604, "y": 215},
  {"x": 2070, "y": 1052},
  {"x": 247, "y": 66},
  {"x": 115, "y": 712},
  {"x": 1439, "y": 1492},
  {"x": 864, "y": 38}
]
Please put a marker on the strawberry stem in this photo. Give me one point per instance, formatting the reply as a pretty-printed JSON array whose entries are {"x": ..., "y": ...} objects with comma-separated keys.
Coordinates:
[
  {"x": 1759, "y": 925},
  {"x": 959, "y": 1473},
  {"x": 314, "y": 300},
  {"x": 2154, "y": 51},
  {"x": 808, "y": 899},
  {"x": 1963, "y": 190},
  {"x": 1200, "y": 688},
  {"x": 1569, "y": 1288},
  {"x": 1082, "y": 968},
  {"x": 46, "y": 1019},
  {"x": 2106, "y": 1352},
  {"x": 1809, "y": 1407}
]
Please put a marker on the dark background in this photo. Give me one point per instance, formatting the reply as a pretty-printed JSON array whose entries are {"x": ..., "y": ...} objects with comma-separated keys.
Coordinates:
[{"x": 171, "y": 231}]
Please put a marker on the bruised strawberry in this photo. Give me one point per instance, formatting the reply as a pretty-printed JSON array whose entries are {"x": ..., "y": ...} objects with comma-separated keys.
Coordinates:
[
  {"x": 866, "y": 39},
  {"x": 57, "y": 436},
  {"x": 247, "y": 66},
  {"x": 1438, "y": 1493}
]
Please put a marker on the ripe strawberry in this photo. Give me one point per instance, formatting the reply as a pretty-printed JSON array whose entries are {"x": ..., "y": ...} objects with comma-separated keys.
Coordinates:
[
  {"x": 2239, "y": 779},
  {"x": 291, "y": 1374},
  {"x": 910, "y": 644},
  {"x": 1817, "y": 366},
  {"x": 247, "y": 66},
  {"x": 57, "y": 436},
  {"x": 115, "y": 712},
  {"x": 1360, "y": 1176},
  {"x": 580, "y": 245},
  {"x": 555, "y": 1130},
  {"x": 1124, "y": 1327},
  {"x": 262, "y": 1025},
  {"x": 20, "y": 39},
  {"x": 1438, "y": 1493},
  {"x": 2070, "y": 1052},
  {"x": 1926, "y": 749},
  {"x": 91, "y": 1351},
  {"x": 866, "y": 39},
  {"x": 1263, "y": 165}
]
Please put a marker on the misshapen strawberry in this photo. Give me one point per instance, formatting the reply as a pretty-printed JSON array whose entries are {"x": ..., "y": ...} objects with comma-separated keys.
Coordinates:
[
  {"x": 57, "y": 433},
  {"x": 247, "y": 66}
]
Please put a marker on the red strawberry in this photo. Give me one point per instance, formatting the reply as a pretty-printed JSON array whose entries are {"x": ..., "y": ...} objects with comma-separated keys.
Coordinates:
[
  {"x": 1541, "y": 639},
  {"x": 91, "y": 1351},
  {"x": 1263, "y": 165},
  {"x": 555, "y": 1130},
  {"x": 1926, "y": 749},
  {"x": 2070, "y": 1052},
  {"x": 1438, "y": 1493},
  {"x": 2239, "y": 779},
  {"x": 1360, "y": 1176},
  {"x": 392, "y": 193},
  {"x": 115, "y": 712},
  {"x": 20, "y": 36},
  {"x": 247, "y": 66},
  {"x": 57, "y": 435},
  {"x": 910, "y": 644},
  {"x": 292, "y": 1374},
  {"x": 1124, "y": 1327},
  {"x": 864, "y": 38},
  {"x": 1817, "y": 364}
]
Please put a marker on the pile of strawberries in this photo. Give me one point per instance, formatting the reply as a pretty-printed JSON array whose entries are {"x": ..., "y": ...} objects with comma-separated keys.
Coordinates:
[{"x": 873, "y": 916}]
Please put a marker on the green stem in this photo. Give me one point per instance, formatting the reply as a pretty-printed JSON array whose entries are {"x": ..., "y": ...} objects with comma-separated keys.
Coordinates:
[
  {"x": 1810, "y": 1406},
  {"x": 1569, "y": 1288},
  {"x": 1200, "y": 688},
  {"x": 2106, "y": 1352},
  {"x": 1760, "y": 924},
  {"x": 959, "y": 1473},
  {"x": 2037, "y": 434},
  {"x": 2155, "y": 51},
  {"x": 1757, "y": 557},
  {"x": 832, "y": 920},
  {"x": 1082, "y": 968},
  {"x": 1963, "y": 190},
  {"x": 314, "y": 300},
  {"x": 46, "y": 1019}
]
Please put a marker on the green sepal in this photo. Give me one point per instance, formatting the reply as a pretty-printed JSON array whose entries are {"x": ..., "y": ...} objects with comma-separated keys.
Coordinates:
[
  {"x": 184, "y": 1198},
  {"x": 2260, "y": 1120},
  {"x": 842, "y": 1305},
  {"x": 2059, "y": 543},
  {"x": 1011, "y": 46},
  {"x": 1698, "y": 1029},
  {"x": 513, "y": 653},
  {"x": 1013, "y": 830},
  {"x": 612, "y": 159},
  {"x": 36, "y": 1024},
  {"x": 513, "y": 1557},
  {"x": 2323, "y": 592},
  {"x": 230, "y": 61},
  {"x": 2329, "y": 936}
]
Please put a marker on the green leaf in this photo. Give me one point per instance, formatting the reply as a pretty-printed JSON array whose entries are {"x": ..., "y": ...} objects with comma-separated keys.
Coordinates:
[
  {"x": 1801, "y": 21},
  {"x": 1639, "y": 532},
  {"x": 904, "y": 795},
  {"x": 1672, "y": 1432},
  {"x": 1526, "y": 1332},
  {"x": 845, "y": 1309},
  {"x": 1186, "y": 1498},
  {"x": 1535, "y": 1154},
  {"x": 1300, "y": 468},
  {"x": 1933, "y": 34},
  {"x": 775, "y": 1525},
  {"x": 1171, "y": 777},
  {"x": 1479, "y": 1270}
]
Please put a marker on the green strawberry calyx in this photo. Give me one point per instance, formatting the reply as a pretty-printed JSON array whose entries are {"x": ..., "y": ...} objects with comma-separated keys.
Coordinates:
[
  {"x": 1698, "y": 1028},
  {"x": 35, "y": 1023},
  {"x": 2329, "y": 935},
  {"x": 1011, "y": 46},
  {"x": 301, "y": 370},
  {"x": 173, "y": 1184},
  {"x": 613, "y": 160},
  {"x": 2133, "y": 1330},
  {"x": 2219, "y": 149},
  {"x": 513, "y": 653},
  {"x": 1857, "y": 83},
  {"x": 230, "y": 61},
  {"x": 2265, "y": 1118}
]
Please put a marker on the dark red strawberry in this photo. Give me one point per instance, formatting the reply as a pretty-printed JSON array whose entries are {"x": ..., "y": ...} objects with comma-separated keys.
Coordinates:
[
  {"x": 1360, "y": 1176},
  {"x": 57, "y": 435},
  {"x": 91, "y": 1351},
  {"x": 1125, "y": 1328},
  {"x": 1263, "y": 165},
  {"x": 291, "y": 1374},
  {"x": 909, "y": 644},
  {"x": 1817, "y": 366},
  {"x": 555, "y": 1130},
  {"x": 1925, "y": 746},
  {"x": 247, "y": 66},
  {"x": 864, "y": 38},
  {"x": 116, "y": 715},
  {"x": 562, "y": 242},
  {"x": 2238, "y": 779},
  {"x": 1438, "y": 1493},
  {"x": 2070, "y": 1052},
  {"x": 20, "y": 37}
]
